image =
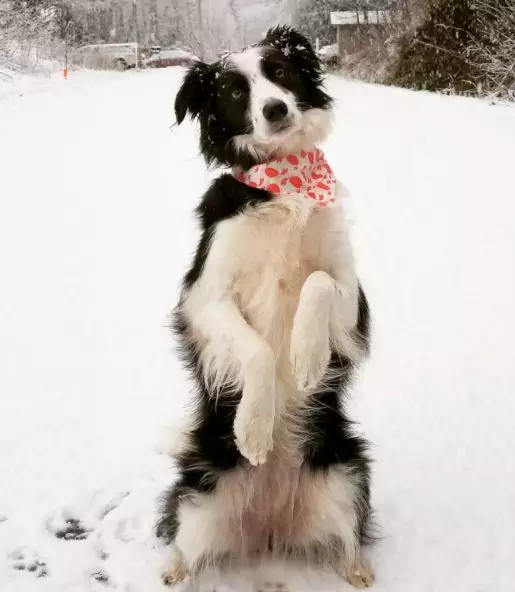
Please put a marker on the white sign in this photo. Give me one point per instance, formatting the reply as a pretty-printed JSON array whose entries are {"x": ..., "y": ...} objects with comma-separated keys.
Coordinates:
[
  {"x": 378, "y": 17},
  {"x": 359, "y": 17}
]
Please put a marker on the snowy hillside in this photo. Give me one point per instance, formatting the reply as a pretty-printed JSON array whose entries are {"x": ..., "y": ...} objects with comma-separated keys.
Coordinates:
[{"x": 95, "y": 232}]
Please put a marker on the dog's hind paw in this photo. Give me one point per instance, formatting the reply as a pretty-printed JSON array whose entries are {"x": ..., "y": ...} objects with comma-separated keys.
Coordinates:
[
  {"x": 359, "y": 574},
  {"x": 177, "y": 570}
]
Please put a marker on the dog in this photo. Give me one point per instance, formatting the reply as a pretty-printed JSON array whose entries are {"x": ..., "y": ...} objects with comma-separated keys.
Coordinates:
[{"x": 271, "y": 323}]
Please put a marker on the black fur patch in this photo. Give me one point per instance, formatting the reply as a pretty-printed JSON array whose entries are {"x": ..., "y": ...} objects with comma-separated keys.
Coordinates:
[
  {"x": 212, "y": 451},
  {"x": 226, "y": 198},
  {"x": 291, "y": 50},
  {"x": 362, "y": 331}
]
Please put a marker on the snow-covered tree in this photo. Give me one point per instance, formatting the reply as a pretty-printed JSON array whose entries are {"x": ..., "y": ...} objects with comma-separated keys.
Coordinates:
[
  {"x": 493, "y": 48},
  {"x": 314, "y": 20}
]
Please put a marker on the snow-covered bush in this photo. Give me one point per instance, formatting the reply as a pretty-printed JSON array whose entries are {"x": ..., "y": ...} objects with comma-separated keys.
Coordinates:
[
  {"x": 493, "y": 49},
  {"x": 436, "y": 54},
  {"x": 460, "y": 46},
  {"x": 33, "y": 33}
]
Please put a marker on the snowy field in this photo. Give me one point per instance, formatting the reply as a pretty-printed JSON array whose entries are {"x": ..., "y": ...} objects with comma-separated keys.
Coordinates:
[{"x": 95, "y": 232}]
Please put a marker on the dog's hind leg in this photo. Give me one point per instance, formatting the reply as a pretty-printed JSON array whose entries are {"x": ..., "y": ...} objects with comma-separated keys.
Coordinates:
[
  {"x": 336, "y": 509},
  {"x": 207, "y": 534}
]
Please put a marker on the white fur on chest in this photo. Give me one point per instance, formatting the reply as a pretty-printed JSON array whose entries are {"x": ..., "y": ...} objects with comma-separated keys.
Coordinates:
[
  {"x": 262, "y": 258},
  {"x": 277, "y": 257}
]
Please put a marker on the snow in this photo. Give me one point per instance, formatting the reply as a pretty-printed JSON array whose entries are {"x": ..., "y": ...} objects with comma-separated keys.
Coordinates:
[
  {"x": 19, "y": 83},
  {"x": 16, "y": 83},
  {"x": 95, "y": 233}
]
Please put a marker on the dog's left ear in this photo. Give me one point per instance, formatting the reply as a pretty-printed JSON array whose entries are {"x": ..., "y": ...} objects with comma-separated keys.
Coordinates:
[
  {"x": 292, "y": 44},
  {"x": 195, "y": 89}
]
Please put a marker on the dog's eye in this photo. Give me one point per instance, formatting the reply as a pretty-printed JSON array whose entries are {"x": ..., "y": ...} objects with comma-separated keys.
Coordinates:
[
  {"x": 237, "y": 94},
  {"x": 280, "y": 73}
]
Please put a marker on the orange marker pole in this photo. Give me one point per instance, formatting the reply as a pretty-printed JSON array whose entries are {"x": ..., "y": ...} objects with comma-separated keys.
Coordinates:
[{"x": 65, "y": 70}]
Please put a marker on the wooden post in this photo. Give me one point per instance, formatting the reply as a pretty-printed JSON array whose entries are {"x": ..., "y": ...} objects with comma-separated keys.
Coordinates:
[{"x": 136, "y": 24}]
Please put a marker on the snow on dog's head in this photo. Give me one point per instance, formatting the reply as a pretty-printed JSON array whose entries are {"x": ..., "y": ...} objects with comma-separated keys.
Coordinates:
[{"x": 263, "y": 102}]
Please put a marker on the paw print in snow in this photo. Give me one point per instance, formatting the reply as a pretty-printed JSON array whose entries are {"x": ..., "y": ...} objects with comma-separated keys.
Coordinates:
[
  {"x": 68, "y": 526},
  {"x": 101, "y": 577},
  {"x": 71, "y": 530},
  {"x": 26, "y": 560}
]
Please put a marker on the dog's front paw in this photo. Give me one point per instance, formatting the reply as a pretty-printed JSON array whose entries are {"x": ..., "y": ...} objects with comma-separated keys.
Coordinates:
[
  {"x": 253, "y": 430},
  {"x": 309, "y": 355}
]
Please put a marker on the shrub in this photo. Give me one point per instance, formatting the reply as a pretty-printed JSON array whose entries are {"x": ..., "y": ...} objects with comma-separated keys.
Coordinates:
[{"x": 436, "y": 55}]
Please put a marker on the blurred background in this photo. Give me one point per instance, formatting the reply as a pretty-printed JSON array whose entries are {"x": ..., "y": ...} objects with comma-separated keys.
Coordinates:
[{"x": 453, "y": 46}]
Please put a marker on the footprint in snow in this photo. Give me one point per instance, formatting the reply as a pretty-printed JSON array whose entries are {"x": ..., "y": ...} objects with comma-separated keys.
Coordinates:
[
  {"x": 101, "y": 577},
  {"x": 70, "y": 527},
  {"x": 26, "y": 560}
]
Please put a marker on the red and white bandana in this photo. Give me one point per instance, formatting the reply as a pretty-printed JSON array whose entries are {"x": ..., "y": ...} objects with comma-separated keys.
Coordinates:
[{"x": 308, "y": 173}]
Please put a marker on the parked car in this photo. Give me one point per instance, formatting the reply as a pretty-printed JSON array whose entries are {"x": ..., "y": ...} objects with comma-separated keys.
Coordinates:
[
  {"x": 330, "y": 55},
  {"x": 109, "y": 56},
  {"x": 170, "y": 57}
]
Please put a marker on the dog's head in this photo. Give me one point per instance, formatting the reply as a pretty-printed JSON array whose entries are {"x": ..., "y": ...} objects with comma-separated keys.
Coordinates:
[{"x": 264, "y": 102}]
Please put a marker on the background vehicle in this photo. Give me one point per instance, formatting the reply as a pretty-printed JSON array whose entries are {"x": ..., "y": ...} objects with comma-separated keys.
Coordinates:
[
  {"x": 109, "y": 56},
  {"x": 170, "y": 57},
  {"x": 330, "y": 55}
]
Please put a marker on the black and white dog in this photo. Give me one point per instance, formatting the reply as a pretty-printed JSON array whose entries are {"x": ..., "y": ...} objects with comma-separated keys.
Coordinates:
[{"x": 272, "y": 322}]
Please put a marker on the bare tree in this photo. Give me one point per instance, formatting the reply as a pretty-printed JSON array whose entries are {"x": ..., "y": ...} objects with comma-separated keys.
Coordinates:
[
  {"x": 494, "y": 47},
  {"x": 28, "y": 28}
]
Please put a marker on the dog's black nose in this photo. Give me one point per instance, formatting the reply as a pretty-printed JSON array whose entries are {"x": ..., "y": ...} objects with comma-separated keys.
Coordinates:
[{"x": 275, "y": 110}]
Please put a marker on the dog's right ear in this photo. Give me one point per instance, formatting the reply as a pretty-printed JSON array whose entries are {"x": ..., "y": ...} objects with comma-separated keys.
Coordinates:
[{"x": 193, "y": 92}]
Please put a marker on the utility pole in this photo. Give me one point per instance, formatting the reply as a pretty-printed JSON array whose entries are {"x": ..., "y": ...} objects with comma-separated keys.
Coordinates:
[
  {"x": 136, "y": 25},
  {"x": 200, "y": 30}
]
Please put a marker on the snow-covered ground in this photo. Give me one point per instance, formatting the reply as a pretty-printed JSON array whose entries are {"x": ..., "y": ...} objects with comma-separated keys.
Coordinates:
[{"x": 95, "y": 232}]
